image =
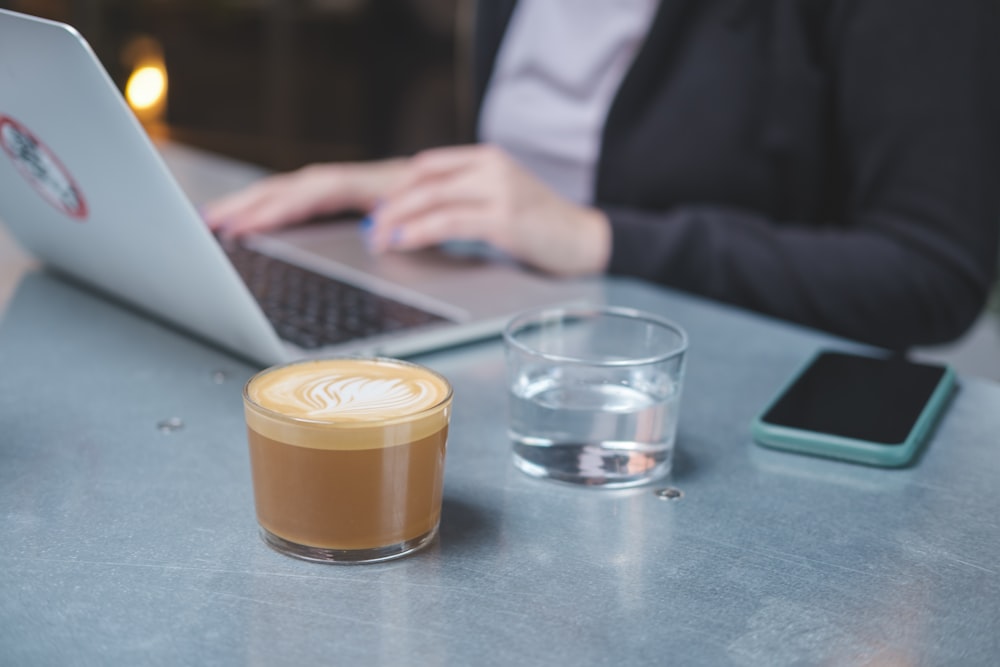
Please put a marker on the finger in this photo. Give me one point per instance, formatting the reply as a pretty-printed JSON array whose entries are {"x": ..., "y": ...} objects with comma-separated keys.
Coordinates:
[
  {"x": 274, "y": 202},
  {"x": 438, "y": 199},
  {"x": 461, "y": 222},
  {"x": 456, "y": 188},
  {"x": 437, "y": 162},
  {"x": 240, "y": 205},
  {"x": 440, "y": 178},
  {"x": 257, "y": 218},
  {"x": 234, "y": 206},
  {"x": 248, "y": 224}
]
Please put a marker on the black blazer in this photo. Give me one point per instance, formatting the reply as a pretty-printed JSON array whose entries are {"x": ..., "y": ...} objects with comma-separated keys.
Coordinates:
[{"x": 831, "y": 162}]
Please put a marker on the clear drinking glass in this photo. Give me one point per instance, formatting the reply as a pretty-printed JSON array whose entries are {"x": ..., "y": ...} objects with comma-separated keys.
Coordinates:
[{"x": 594, "y": 393}]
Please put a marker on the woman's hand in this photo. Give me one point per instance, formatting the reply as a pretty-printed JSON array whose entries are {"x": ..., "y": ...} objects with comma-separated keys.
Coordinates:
[
  {"x": 294, "y": 197},
  {"x": 480, "y": 193}
]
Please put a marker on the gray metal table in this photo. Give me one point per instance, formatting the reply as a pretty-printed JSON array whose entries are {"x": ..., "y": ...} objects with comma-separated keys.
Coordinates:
[{"x": 127, "y": 544}]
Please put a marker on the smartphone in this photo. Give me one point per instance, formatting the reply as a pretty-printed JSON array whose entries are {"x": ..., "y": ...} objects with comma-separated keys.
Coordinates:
[{"x": 867, "y": 409}]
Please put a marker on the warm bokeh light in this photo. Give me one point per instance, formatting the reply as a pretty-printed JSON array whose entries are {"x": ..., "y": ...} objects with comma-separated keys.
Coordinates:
[{"x": 146, "y": 87}]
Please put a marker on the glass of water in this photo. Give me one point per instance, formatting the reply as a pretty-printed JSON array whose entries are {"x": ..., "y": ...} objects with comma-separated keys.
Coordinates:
[{"x": 594, "y": 393}]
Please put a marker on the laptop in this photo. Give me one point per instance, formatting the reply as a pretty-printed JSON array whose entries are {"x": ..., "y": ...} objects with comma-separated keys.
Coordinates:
[{"x": 85, "y": 190}]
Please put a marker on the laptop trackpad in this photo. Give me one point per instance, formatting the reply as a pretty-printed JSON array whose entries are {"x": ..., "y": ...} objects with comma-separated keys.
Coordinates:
[{"x": 468, "y": 277}]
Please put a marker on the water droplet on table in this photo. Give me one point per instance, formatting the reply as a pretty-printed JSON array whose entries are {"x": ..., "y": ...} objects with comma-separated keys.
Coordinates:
[
  {"x": 170, "y": 425},
  {"x": 669, "y": 493}
]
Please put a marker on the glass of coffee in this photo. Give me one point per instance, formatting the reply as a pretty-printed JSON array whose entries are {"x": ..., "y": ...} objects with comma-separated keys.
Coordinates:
[
  {"x": 594, "y": 394},
  {"x": 347, "y": 457}
]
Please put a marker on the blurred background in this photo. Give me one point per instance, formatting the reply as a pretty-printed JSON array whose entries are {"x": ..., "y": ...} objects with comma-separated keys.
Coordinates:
[{"x": 281, "y": 83}]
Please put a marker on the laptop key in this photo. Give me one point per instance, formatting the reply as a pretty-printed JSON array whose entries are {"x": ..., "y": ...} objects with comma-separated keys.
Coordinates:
[{"x": 312, "y": 310}]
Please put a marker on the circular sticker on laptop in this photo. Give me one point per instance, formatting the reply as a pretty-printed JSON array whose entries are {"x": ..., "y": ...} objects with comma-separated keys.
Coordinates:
[{"x": 41, "y": 168}]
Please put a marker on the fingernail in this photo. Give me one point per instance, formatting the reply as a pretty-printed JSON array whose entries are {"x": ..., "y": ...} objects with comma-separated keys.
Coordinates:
[{"x": 367, "y": 223}]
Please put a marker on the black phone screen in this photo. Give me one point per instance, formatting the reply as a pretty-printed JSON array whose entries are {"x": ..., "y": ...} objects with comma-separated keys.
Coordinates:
[{"x": 866, "y": 398}]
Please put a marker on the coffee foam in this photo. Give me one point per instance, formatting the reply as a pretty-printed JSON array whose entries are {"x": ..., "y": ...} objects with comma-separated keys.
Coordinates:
[{"x": 367, "y": 401}]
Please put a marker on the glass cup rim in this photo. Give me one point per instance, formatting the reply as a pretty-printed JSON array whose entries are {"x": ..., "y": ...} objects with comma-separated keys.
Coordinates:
[
  {"x": 539, "y": 315},
  {"x": 402, "y": 419}
]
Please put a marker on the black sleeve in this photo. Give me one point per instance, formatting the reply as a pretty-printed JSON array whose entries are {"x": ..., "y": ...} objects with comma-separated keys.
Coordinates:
[{"x": 915, "y": 115}]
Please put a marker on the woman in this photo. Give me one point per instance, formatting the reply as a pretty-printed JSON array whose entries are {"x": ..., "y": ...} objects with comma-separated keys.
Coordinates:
[{"x": 832, "y": 162}]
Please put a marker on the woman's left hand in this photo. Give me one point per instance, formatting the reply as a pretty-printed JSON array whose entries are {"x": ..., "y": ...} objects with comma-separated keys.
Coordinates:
[{"x": 479, "y": 193}]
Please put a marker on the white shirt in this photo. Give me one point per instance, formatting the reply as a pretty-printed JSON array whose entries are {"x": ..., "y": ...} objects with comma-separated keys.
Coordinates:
[{"x": 558, "y": 69}]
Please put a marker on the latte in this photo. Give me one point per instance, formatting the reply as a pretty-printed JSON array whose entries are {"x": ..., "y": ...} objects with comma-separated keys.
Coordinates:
[{"x": 347, "y": 456}]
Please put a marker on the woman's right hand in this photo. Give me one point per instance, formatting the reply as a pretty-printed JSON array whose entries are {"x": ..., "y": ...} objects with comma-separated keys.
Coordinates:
[{"x": 297, "y": 196}]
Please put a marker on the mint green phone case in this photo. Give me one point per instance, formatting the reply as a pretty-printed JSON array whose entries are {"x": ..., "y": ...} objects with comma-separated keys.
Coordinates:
[{"x": 850, "y": 449}]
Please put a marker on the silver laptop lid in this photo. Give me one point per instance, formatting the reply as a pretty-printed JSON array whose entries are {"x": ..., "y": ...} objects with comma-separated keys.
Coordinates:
[{"x": 85, "y": 191}]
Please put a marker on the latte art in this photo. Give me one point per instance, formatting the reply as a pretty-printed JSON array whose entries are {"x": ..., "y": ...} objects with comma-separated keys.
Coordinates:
[
  {"x": 349, "y": 389},
  {"x": 328, "y": 396}
]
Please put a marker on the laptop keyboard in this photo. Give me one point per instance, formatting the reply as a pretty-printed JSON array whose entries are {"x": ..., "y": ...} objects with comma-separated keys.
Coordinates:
[{"x": 312, "y": 310}]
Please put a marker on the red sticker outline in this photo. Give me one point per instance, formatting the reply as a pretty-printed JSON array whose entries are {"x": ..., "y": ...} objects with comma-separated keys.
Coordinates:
[{"x": 37, "y": 170}]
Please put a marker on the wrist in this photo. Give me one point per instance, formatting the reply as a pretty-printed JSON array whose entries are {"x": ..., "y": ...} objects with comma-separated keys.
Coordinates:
[
  {"x": 595, "y": 253},
  {"x": 580, "y": 246}
]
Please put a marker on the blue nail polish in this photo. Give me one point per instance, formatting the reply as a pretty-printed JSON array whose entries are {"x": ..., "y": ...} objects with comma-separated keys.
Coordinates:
[{"x": 367, "y": 222}]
